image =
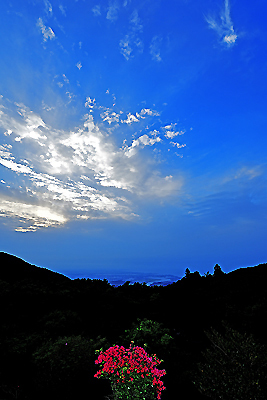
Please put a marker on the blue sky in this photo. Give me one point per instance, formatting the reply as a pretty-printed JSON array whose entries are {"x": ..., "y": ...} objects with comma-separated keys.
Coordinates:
[{"x": 133, "y": 134}]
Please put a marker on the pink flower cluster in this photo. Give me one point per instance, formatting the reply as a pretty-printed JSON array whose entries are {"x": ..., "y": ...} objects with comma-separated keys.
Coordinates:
[{"x": 130, "y": 368}]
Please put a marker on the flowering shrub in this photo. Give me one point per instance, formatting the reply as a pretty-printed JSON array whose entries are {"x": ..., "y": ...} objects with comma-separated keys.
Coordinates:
[{"x": 132, "y": 372}]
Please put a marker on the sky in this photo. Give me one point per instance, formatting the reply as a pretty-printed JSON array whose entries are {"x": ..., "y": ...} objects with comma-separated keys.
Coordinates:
[{"x": 133, "y": 134}]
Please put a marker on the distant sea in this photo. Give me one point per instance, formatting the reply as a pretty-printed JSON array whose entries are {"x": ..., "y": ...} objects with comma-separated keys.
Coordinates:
[{"x": 117, "y": 279}]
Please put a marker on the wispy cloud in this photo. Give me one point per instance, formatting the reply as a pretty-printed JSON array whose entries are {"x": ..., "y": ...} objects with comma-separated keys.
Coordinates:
[
  {"x": 112, "y": 13},
  {"x": 135, "y": 21},
  {"x": 62, "y": 9},
  {"x": 47, "y": 32},
  {"x": 155, "y": 48},
  {"x": 131, "y": 40},
  {"x": 126, "y": 49},
  {"x": 51, "y": 176},
  {"x": 48, "y": 7},
  {"x": 230, "y": 194},
  {"x": 224, "y": 28},
  {"x": 96, "y": 10}
]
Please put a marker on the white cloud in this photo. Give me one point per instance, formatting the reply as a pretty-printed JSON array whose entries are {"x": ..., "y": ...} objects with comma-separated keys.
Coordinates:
[
  {"x": 224, "y": 28},
  {"x": 147, "y": 111},
  {"x": 178, "y": 145},
  {"x": 110, "y": 116},
  {"x": 13, "y": 166},
  {"x": 142, "y": 141},
  {"x": 130, "y": 119},
  {"x": 170, "y": 131},
  {"x": 47, "y": 32},
  {"x": 96, "y": 10},
  {"x": 90, "y": 103},
  {"x": 230, "y": 39},
  {"x": 30, "y": 125}
]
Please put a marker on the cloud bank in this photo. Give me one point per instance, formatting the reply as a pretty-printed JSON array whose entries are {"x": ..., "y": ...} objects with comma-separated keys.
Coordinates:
[{"x": 51, "y": 176}]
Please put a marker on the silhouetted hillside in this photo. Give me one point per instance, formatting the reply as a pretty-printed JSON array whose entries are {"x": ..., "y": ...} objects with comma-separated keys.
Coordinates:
[
  {"x": 13, "y": 269},
  {"x": 42, "y": 310}
]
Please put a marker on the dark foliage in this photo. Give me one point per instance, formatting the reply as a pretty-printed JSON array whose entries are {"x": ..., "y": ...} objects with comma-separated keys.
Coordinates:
[
  {"x": 234, "y": 367},
  {"x": 41, "y": 311}
]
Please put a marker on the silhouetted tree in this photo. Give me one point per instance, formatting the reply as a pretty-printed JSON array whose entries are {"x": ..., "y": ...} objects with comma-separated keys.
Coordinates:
[
  {"x": 218, "y": 273},
  {"x": 192, "y": 275},
  {"x": 187, "y": 272}
]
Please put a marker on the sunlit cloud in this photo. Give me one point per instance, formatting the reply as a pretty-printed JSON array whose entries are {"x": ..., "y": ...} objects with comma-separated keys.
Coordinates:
[
  {"x": 30, "y": 217},
  {"x": 224, "y": 28},
  {"x": 63, "y": 175}
]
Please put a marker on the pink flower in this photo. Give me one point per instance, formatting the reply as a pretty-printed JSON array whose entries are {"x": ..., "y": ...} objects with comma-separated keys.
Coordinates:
[{"x": 135, "y": 362}]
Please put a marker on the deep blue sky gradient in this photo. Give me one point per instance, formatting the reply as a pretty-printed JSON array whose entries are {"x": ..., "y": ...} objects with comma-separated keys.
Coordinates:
[{"x": 133, "y": 134}]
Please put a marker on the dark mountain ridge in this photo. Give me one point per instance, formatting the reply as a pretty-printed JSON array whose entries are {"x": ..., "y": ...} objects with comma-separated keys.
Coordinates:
[{"x": 14, "y": 269}]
